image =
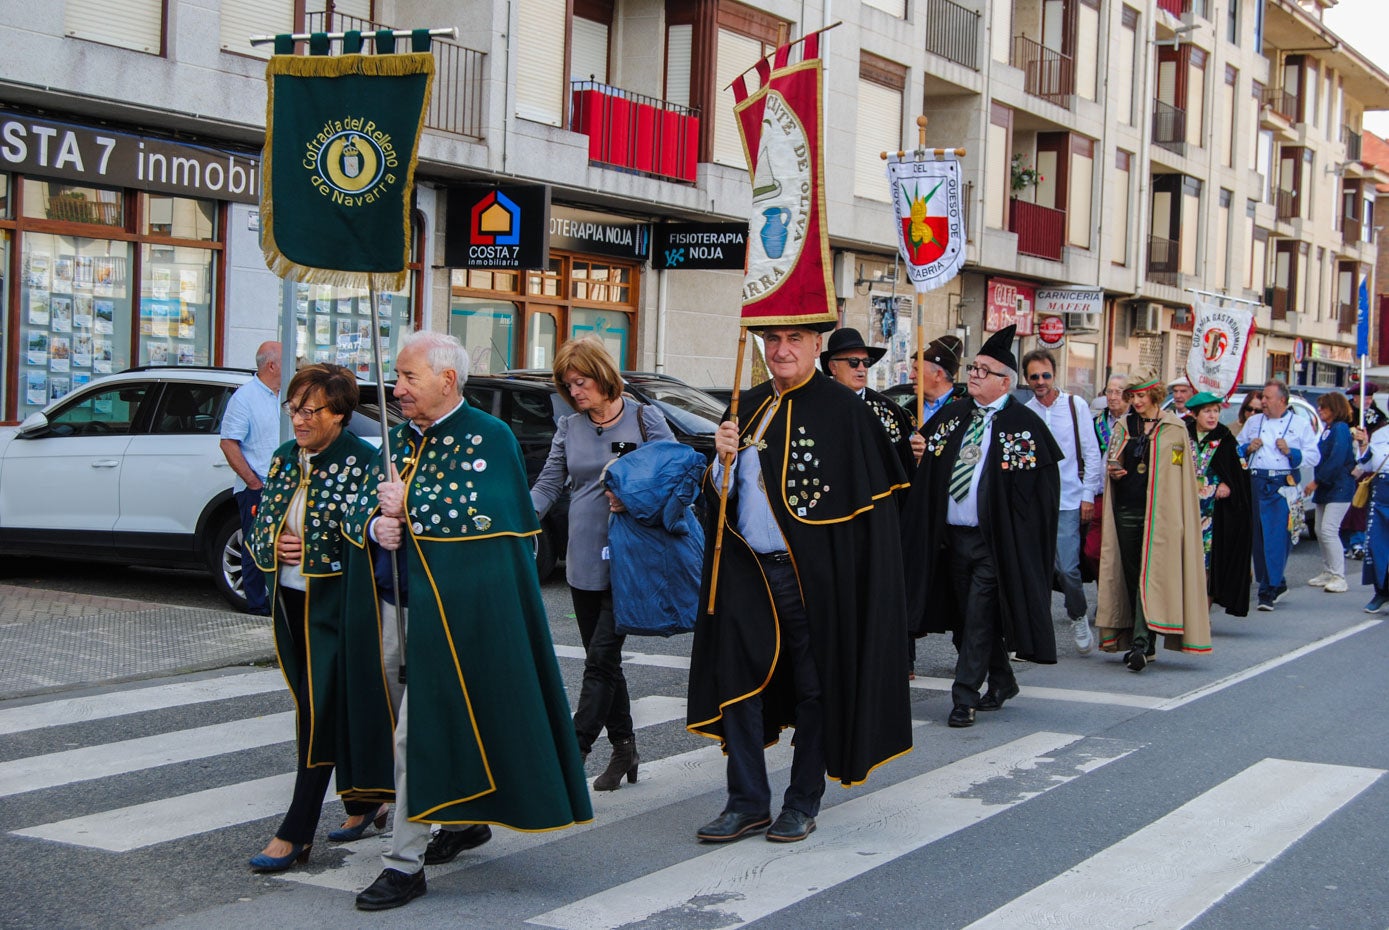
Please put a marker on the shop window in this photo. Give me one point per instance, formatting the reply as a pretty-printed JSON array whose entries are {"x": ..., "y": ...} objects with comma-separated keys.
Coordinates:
[
  {"x": 486, "y": 280},
  {"x": 487, "y": 329},
  {"x": 541, "y": 341},
  {"x": 334, "y": 325},
  {"x": 180, "y": 217},
  {"x": 74, "y": 315},
  {"x": 547, "y": 282},
  {"x": 73, "y": 203},
  {"x": 603, "y": 283},
  {"x": 4, "y": 196},
  {"x": 609, "y": 327},
  {"x": 175, "y": 306}
]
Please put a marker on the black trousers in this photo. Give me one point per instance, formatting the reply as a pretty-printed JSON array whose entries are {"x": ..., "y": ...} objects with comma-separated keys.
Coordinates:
[
  {"x": 979, "y": 640},
  {"x": 749, "y": 792},
  {"x": 603, "y": 699},
  {"x": 310, "y": 784}
]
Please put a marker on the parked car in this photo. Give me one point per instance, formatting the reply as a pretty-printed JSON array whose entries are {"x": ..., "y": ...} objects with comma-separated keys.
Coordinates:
[{"x": 129, "y": 469}]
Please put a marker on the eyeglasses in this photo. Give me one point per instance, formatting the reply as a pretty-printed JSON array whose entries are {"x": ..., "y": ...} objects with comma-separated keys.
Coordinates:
[
  {"x": 1039, "y": 376},
  {"x": 303, "y": 413},
  {"x": 852, "y": 362},
  {"x": 979, "y": 371}
]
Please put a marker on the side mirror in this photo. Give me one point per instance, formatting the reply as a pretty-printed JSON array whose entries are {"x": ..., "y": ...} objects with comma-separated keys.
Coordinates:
[{"x": 34, "y": 424}]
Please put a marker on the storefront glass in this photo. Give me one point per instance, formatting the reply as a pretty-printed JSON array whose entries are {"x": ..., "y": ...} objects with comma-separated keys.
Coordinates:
[
  {"x": 175, "y": 306},
  {"x": 75, "y": 314},
  {"x": 487, "y": 329},
  {"x": 73, "y": 203},
  {"x": 334, "y": 325},
  {"x": 608, "y": 327}
]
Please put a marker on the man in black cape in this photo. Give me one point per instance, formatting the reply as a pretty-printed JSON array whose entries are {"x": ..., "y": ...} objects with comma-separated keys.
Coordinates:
[
  {"x": 979, "y": 532},
  {"x": 808, "y": 624},
  {"x": 847, "y": 359}
]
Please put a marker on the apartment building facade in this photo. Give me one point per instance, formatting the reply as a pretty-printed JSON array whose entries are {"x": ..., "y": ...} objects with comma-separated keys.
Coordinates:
[{"x": 1119, "y": 156}]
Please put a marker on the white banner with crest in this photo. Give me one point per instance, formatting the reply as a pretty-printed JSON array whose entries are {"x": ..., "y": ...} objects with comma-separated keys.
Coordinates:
[
  {"x": 1219, "y": 343},
  {"x": 930, "y": 217}
]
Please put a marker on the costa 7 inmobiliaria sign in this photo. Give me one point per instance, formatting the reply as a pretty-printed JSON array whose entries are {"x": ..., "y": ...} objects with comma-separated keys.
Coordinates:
[
  {"x": 1219, "y": 343},
  {"x": 339, "y": 163},
  {"x": 930, "y": 221}
]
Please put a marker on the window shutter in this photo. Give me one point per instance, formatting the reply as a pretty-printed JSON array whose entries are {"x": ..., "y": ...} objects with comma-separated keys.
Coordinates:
[
  {"x": 588, "y": 51},
  {"x": 1087, "y": 63},
  {"x": 248, "y": 18},
  {"x": 540, "y": 85},
  {"x": 896, "y": 8},
  {"x": 878, "y": 128},
  {"x": 736, "y": 54},
  {"x": 679, "y": 50},
  {"x": 132, "y": 24},
  {"x": 1080, "y": 186}
]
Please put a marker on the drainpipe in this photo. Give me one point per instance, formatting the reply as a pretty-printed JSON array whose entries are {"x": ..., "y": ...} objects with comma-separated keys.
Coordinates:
[{"x": 660, "y": 322}]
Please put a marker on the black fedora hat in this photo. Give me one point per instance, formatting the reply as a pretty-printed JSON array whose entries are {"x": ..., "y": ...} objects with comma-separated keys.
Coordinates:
[{"x": 841, "y": 340}]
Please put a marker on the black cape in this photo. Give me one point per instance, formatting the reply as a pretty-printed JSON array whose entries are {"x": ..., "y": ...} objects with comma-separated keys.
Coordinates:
[
  {"x": 897, "y": 423},
  {"x": 1019, "y": 503},
  {"x": 831, "y": 477},
  {"x": 1232, "y": 541}
]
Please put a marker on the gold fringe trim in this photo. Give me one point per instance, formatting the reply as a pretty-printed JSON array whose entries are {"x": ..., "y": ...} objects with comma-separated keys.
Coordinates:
[{"x": 338, "y": 66}]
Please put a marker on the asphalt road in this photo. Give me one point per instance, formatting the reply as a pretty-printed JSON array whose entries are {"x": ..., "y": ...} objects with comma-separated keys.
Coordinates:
[{"x": 1243, "y": 789}]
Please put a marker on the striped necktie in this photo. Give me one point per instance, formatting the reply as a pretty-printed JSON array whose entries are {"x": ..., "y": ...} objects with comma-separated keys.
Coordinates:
[{"x": 963, "y": 474}]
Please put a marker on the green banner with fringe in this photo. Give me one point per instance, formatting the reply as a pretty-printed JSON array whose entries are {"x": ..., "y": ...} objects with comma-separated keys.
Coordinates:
[{"x": 339, "y": 165}]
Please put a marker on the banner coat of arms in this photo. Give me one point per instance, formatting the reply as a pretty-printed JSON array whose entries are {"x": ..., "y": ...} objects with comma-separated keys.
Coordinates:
[{"x": 930, "y": 218}]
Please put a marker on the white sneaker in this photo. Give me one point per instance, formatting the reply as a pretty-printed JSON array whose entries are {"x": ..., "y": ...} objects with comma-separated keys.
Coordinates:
[
  {"x": 1319, "y": 581},
  {"x": 1337, "y": 585},
  {"x": 1080, "y": 629}
]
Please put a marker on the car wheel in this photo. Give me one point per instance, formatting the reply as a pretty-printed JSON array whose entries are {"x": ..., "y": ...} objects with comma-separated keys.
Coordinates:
[
  {"x": 224, "y": 560},
  {"x": 544, "y": 554}
]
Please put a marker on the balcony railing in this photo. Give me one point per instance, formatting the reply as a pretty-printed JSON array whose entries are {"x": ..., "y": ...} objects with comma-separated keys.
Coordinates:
[
  {"x": 1163, "y": 255},
  {"x": 455, "y": 105},
  {"x": 1345, "y": 319},
  {"x": 1046, "y": 72},
  {"x": 952, "y": 32},
  {"x": 1352, "y": 140},
  {"x": 1169, "y": 127},
  {"x": 1285, "y": 205},
  {"x": 634, "y": 132},
  {"x": 1281, "y": 102},
  {"x": 1041, "y": 230}
]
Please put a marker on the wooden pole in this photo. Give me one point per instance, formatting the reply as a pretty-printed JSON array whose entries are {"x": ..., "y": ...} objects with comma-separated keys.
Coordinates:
[
  {"x": 920, "y": 308},
  {"x": 727, "y": 469}
]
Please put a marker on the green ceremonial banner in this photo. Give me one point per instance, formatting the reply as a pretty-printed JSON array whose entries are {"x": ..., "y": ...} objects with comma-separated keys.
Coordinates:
[{"x": 339, "y": 166}]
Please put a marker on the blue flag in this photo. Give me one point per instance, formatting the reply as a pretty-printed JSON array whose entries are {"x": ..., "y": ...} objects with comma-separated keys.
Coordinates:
[{"x": 1362, "y": 320}]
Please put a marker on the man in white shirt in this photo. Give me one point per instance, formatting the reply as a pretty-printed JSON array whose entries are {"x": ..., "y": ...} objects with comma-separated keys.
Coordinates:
[
  {"x": 1081, "y": 479},
  {"x": 1275, "y": 443},
  {"x": 250, "y": 435}
]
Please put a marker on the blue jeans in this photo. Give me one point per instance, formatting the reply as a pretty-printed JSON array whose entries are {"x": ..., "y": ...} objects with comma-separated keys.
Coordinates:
[
  {"x": 252, "y": 581},
  {"x": 1068, "y": 563}
]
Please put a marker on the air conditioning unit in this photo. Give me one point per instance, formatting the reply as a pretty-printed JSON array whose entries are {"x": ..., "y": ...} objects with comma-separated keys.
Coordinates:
[
  {"x": 1147, "y": 318},
  {"x": 1081, "y": 322}
]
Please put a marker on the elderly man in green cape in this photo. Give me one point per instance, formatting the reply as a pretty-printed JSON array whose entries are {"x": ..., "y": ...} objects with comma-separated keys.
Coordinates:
[{"x": 489, "y": 738}]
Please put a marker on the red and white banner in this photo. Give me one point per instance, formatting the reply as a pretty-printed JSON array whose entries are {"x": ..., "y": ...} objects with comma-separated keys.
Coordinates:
[
  {"x": 788, "y": 278},
  {"x": 1219, "y": 343},
  {"x": 930, "y": 218}
]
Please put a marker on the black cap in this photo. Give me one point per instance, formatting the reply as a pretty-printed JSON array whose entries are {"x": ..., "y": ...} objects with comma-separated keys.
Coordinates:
[
  {"x": 841, "y": 340},
  {"x": 945, "y": 352},
  {"x": 999, "y": 347}
]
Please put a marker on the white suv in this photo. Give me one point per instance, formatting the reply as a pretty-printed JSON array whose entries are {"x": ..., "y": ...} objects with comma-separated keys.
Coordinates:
[{"x": 129, "y": 469}]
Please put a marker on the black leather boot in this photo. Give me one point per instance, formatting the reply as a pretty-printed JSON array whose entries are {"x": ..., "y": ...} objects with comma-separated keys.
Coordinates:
[{"x": 624, "y": 760}]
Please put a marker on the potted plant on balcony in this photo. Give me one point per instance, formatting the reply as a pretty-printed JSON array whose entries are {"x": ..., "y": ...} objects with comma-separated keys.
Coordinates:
[{"x": 1023, "y": 176}]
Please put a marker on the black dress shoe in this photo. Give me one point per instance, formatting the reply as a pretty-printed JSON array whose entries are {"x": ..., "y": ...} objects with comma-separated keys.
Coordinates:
[
  {"x": 1136, "y": 659},
  {"x": 961, "y": 716},
  {"x": 392, "y": 888},
  {"x": 996, "y": 696},
  {"x": 791, "y": 827},
  {"x": 447, "y": 844},
  {"x": 731, "y": 825}
]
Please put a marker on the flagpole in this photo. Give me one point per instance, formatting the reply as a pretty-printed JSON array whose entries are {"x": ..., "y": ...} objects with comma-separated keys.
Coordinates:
[
  {"x": 727, "y": 470},
  {"x": 919, "y": 301},
  {"x": 381, "y": 396}
]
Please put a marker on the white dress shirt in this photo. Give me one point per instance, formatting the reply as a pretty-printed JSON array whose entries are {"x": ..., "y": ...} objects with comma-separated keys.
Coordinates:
[
  {"x": 966, "y": 512},
  {"x": 1064, "y": 430},
  {"x": 1296, "y": 430}
]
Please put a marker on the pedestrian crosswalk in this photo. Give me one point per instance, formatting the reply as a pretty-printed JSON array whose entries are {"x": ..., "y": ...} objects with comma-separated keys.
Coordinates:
[{"x": 1203, "y": 848}]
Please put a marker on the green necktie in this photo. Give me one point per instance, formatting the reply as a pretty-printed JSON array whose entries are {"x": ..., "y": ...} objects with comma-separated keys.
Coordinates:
[{"x": 964, "y": 469}]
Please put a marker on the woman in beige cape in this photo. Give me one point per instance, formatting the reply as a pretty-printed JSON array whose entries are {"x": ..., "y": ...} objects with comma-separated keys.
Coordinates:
[{"x": 1152, "y": 570}]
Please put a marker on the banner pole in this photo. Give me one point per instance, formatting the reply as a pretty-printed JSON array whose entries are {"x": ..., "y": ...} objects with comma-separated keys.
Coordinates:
[
  {"x": 727, "y": 470},
  {"x": 400, "y": 609},
  {"x": 919, "y": 303},
  {"x": 1362, "y": 392}
]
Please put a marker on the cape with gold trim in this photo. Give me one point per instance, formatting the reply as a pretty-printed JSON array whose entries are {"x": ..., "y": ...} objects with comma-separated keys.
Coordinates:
[
  {"x": 831, "y": 476},
  {"x": 491, "y": 739},
  {"x": 330, "y": 487}
]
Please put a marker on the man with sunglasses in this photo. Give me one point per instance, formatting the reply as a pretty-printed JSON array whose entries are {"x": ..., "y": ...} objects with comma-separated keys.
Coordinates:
[
  {"x": 979, "y": 531},
  {"x": 1082, "y": 477},
  {"x": 847, "y": 360}
]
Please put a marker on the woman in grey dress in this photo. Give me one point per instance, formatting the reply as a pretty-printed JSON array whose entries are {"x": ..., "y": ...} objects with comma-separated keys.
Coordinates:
[{"x": 605, "y": 425}]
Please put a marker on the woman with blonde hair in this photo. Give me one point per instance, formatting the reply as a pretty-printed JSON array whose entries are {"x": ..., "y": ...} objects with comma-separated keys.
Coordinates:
[
  {"x": 605, "y": 425},
  {"x": 1152, "y": 568}
]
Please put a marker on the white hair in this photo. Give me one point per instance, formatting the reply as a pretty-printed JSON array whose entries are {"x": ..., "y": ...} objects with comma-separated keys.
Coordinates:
[
  {"x": 1120, "y": 376},
  {"x": 1011, "y": 376},
  {"x": 442, "y": 352}
]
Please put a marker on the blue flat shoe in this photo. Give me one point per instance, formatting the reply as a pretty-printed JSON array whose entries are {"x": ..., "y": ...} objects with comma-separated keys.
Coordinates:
[
  {"x": 260, "y": 862},
  {"x": 348, "y": 834}
]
